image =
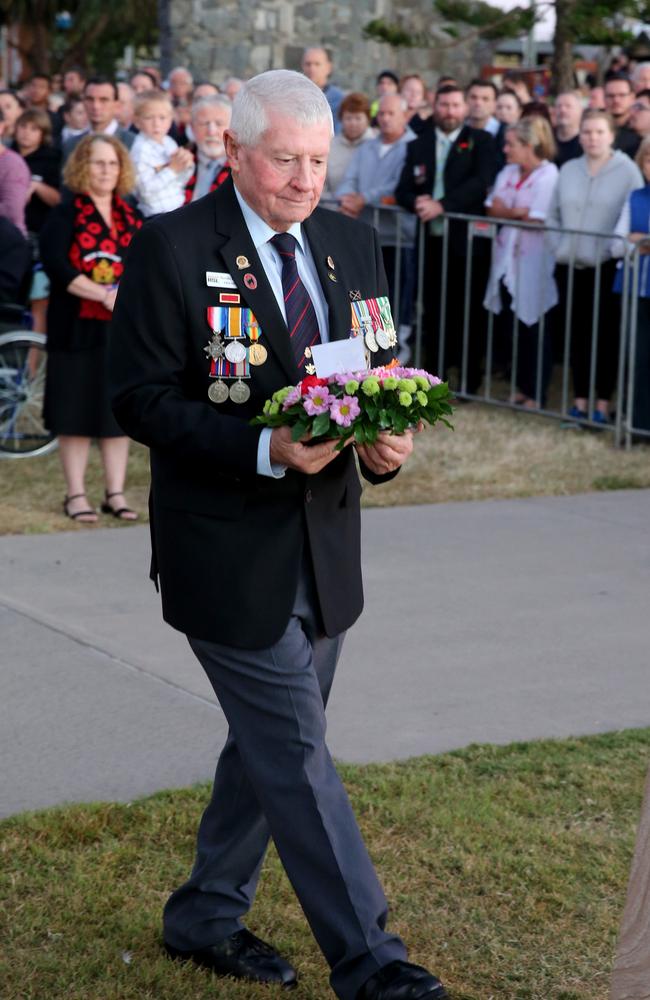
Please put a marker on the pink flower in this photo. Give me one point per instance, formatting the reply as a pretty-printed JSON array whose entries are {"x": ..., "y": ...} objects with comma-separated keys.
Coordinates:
[
  {"x": 317, "y": 400},
  {"x": 343, "y": 411},
  {"x": 292, "y": 398}
]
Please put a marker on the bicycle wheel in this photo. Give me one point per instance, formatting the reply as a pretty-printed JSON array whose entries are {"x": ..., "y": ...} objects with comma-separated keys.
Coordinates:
[{"x": 22, "y": 386}]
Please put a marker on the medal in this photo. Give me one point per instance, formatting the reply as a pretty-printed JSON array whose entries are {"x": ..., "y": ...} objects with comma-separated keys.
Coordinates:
[
  {"x": 330, "y": 264},
  {"x": 383, "y": 339},
  {"x": 311, "y": 369},
  {"x": 257, "y": 353},
  {"x": 239, "y": 392},
  {"x": 214, "y": 347},
  {"x": 235, "y": 352},
  {"x": 371, "y": 343},
  {"x": 218, "y": 392},
  {"x": 331, "y": 276},
  {"x": 242, "y": 262},
  {"x": 250, "y": 281}
]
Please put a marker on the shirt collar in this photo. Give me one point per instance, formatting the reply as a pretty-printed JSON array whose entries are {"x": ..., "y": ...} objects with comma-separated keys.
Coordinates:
[
  {"x": 260, "y": 230},
  {"x": 206, "y": 161},
  {"x": 449, "y": 137}
]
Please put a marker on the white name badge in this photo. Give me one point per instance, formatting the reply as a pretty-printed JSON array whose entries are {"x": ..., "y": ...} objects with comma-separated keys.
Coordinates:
[
  {"x": 339, "y": 356},
  {"x": 219, "y": 279}
]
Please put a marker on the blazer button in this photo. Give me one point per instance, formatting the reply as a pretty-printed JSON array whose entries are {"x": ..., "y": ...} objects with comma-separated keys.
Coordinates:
[{"x": 308, "y": 496}]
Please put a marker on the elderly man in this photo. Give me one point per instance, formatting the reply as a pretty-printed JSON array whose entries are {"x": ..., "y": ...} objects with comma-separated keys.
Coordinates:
[
  {"x": 568, "y": 113},
  {"x": 256, "y": 536},
  {"x": 317, "y": 67},
  {"x": 641, "y": 77},
  {"x": 640, "y": 116},
  {"x": 210, "y": 119},
  {"x": 180, "y": 85}
]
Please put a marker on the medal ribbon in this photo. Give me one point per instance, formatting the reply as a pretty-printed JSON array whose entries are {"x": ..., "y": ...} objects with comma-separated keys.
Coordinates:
[
  {"x": 373, "y": 309},
  {"x": 235, "y": 331},
  {"x": 215, "y": 318},
  {"x": 242, "y": 369},
  {"x": 386, "y": 315}
]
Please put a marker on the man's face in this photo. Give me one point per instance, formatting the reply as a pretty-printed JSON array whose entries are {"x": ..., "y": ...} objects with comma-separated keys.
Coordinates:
[
  {"x": 386, "y": 85},
  {"x": 100, "y": 104},
  {"x": 316, "y": 66},
  {"x": 209, "y": 125},
  {"x": 481, "y": 103},
  {"x": 391, "y": 118},
  {"x": 642, "y": 79},
  {"x": 38, "y": 92},
  {"x": 568, "y": 111},
  {"x": 72, "y": 82},
  {"x": 450, "y": 111},
  {"x": 180, "y": 84},
  {"x": 619, "y": 98},
  {"x": 282, "y": 177},
  {"x": 413, "y": 92},
  {"x": 640, "y": 116}
]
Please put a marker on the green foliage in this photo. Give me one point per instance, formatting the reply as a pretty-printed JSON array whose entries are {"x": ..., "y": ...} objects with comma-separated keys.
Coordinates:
[
  {"x": 393, "y": 34},
  {"x": 491, "y": 22},
  {"x": 97, "y": 37}
]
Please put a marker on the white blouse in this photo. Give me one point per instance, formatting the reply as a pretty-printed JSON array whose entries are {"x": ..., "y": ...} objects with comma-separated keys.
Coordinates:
[{"x": 521, "y": 258}]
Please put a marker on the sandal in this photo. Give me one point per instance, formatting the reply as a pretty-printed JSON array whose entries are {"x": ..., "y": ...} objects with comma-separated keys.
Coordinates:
[
  {"x": 122, "y": 513},
  {"x": 89, "y": 515}
]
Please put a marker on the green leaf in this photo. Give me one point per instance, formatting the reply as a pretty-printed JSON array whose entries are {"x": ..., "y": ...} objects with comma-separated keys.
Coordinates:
[
  {"x": 360, "y": 433},
  {"x": 299, "y": 430},
  {"x": 321, "y": 425}
]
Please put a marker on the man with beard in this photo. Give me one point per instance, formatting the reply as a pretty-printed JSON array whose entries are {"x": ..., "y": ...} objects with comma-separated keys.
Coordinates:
[
  {"x": 449, "y": 168},
  {"x": 210, "y": 119}
]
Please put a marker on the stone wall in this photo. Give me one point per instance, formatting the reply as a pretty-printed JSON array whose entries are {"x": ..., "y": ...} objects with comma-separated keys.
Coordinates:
[{"x": 221, "y": 38}]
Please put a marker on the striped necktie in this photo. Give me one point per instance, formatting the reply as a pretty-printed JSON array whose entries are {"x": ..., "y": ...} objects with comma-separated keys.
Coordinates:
[{"x": 301, "y": 315}]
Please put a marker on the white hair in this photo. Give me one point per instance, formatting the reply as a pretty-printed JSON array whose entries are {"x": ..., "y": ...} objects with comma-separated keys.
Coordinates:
[
  {"x": 281, "y": 90},
  {"x": 210, "y": 101},
  {"x": 403, "y": 103},
  {"x": 180, "y": 69}
]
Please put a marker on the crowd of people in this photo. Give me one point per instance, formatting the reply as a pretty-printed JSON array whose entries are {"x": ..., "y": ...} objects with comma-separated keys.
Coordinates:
[{"x": 575, "y": 163}]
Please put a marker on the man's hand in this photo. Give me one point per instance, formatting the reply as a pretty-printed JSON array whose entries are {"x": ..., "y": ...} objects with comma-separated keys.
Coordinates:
[
  {"x": 352, "y": 204},
  {"x": 427, "y": 208},
  {"x": 389, "y": 451},
  {"x": 295, "y": 455}
]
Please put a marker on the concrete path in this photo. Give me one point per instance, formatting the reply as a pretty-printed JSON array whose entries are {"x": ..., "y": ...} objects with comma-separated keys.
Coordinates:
[{"x": 490, "y": 622}]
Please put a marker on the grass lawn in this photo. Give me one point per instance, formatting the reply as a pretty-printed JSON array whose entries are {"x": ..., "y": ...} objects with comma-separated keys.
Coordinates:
[
  {"x": 491, "y": 453},
  {"x": 505, "y": 867}
]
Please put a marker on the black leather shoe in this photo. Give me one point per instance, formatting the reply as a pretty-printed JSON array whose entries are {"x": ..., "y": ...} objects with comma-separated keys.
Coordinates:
[
  {"x": 243, "y": 956},
  {"x": 402, "y": 981}
]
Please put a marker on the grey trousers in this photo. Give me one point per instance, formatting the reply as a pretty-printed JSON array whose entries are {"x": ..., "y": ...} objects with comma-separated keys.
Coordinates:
[{"x": 275, "y": 777}]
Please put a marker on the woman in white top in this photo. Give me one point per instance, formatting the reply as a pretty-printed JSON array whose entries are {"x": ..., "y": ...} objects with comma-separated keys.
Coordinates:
[
  {"x": 521, "y": 277},
  {"x": 590, "y": 194}
]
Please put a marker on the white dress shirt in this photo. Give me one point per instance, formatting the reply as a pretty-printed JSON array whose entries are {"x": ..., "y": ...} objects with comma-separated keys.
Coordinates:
[{"x": 261, "y": 234}]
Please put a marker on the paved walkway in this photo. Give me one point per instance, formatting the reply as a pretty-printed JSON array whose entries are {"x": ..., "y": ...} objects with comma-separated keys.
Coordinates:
[{"x": 492, "y": 621}]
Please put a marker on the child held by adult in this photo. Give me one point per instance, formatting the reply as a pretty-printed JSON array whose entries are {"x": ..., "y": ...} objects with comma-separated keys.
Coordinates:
[{"x": 162, "y": 168}]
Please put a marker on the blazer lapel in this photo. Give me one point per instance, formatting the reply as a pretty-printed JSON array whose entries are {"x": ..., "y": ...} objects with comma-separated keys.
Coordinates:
[
  {"x": 236, "y": 243},
  {"x": 334, "y": 290}
]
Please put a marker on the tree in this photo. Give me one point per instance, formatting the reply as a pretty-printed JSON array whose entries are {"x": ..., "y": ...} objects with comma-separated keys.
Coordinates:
[
  {"x": 604, "y": 22},
  {"x": 96, "y": 38}
]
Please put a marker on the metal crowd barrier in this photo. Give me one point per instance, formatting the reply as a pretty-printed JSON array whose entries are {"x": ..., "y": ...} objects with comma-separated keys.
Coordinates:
[{"x": 396, "y": 229}]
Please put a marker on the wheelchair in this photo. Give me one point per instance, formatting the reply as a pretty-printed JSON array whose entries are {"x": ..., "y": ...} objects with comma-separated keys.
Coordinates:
[{"x": 22, "y": 386}]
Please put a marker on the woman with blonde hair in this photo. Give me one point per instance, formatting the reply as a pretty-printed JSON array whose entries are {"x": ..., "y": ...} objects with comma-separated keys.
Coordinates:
[
  {"x": 521, "y": 288},
  {"x": 589, "y": 196},
  {"x": 83, "y": 246}
]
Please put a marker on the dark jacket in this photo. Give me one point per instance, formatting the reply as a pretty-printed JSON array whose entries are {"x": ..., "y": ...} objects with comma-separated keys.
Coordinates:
[
  {"x": 469, "y": 171},
  {"x": 227, "y": 542}
]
